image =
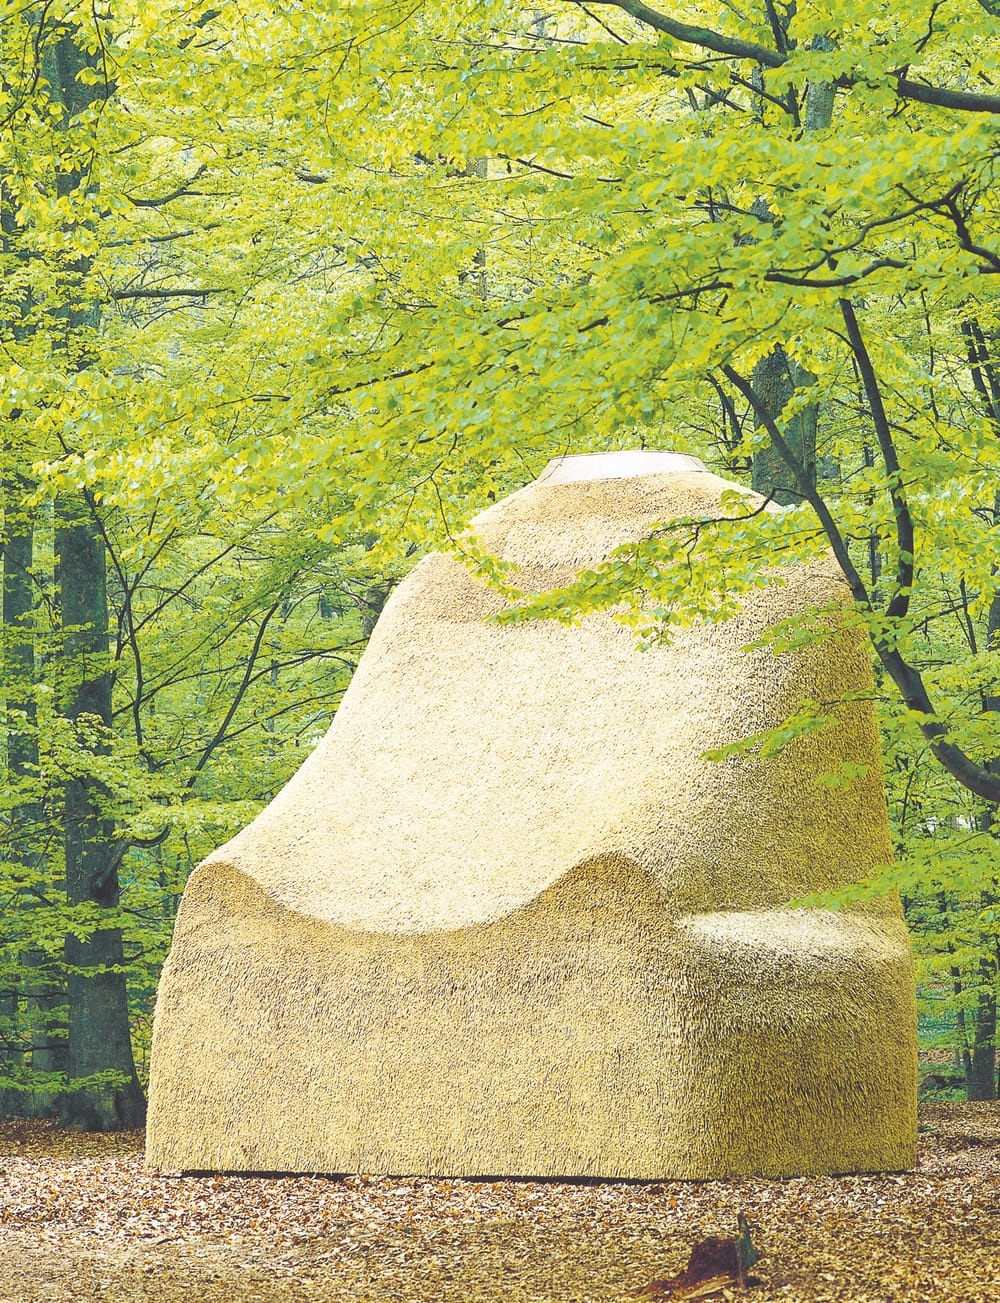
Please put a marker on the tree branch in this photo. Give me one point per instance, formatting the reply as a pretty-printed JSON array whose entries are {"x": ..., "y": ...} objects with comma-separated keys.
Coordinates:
[
  {"x": 707, "y": 39},
  {"x": 162, "y": 239},
  {"x": 900, "y": 601},
  {"x": 183, "y": 189},
  {"x": 221, "y": 731},
  {"x": 966, "y": 101},
  {"x": 981, "y": 368},
  {"x": 805, "y": 487},
  {"x": 976, "y": 778},
  {"x": 834, "y": 282},
  {"x": 690, "y": 35},
  {"x": 167, "y": 294}
]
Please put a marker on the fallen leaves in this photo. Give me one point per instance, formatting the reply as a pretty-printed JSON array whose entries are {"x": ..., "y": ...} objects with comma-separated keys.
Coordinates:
[{"x": 81, "y": 1219}]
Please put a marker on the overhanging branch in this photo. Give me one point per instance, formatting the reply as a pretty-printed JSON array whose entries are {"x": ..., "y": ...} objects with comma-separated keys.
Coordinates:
[
  {"x": 167, "y": 294},
  {"x": 691, "y": 35},
  {"x": 183, "y": 189},
  {"x": 900, "y": 602},
  {"x": 966, "y": 101},
  {"x": 907, "y": 678},
  {"x": 708, "y": 39}
]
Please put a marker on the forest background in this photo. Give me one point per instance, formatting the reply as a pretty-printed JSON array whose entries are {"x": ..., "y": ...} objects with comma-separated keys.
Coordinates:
[{"x": 288, "y": 292}]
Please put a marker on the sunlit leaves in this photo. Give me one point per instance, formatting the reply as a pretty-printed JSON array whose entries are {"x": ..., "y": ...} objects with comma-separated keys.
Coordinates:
[{"x": 362, "y": 268}]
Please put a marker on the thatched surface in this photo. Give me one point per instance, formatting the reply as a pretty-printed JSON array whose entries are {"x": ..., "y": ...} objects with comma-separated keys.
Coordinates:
[{"x": 506, "y": 920}]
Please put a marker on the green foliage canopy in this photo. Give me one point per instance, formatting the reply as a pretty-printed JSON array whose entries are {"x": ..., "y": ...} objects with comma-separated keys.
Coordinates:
[{"x": 302, "y": 287}]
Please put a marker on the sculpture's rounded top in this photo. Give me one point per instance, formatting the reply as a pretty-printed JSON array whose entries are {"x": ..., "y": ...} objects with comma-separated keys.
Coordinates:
[{"x": 617, "y": 465}]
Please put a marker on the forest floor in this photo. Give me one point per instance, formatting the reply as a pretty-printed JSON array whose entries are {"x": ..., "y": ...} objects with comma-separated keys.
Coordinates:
[{"x": 81, "y": 1219}]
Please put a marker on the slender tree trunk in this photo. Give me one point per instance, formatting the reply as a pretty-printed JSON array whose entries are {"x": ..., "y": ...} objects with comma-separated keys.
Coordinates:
[
  {"x": 38, "y": 1004},
  {"x": 981, "y": 1071},
  {"x": 19, "y": 647},
  {"x": 981, "y": 1065},
  {"x": 964, "y": 1053},
  {"x": 19, "y": 708},
  {"x": 21, "y": 760}
]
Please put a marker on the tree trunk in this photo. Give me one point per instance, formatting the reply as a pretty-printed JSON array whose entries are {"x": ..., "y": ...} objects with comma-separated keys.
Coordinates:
[
  {"x": 777, "y": 376},
  {"x": 981, "y": 1069},
  {"x": 18, "y": 668},
  {"x": 35, "y": 1006},
  {"x": 981, "y": 1064},
  {"x": 99, "y": 1039},
  {"x": 21, "y": 762},
  {"x": 104, "y": 1091}
]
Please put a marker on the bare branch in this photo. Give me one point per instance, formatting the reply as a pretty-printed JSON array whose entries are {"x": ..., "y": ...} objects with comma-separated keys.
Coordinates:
[
  {"x": 833, "y": 282},
  {"x": 234, "y": 705}
]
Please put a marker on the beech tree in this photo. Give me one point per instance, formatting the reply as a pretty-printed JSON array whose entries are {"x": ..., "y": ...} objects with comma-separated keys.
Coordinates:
[
  {"x": 660, "y": 209},
  {"x": 160, "y": 649},
  {"x": 361, "y": 268},
  {"x": 733, "y": 231}
]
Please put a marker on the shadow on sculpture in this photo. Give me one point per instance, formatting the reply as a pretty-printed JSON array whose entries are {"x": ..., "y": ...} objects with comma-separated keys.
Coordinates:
[{"x": 507, "y": 919}]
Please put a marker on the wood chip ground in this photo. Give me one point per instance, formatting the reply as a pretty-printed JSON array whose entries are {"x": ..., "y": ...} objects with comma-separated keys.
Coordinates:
[{"x": 81, "y": 1219}]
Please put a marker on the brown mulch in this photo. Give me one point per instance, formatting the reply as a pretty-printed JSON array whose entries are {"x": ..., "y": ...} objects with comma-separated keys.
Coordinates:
[{"x": 81, "y": 1219}]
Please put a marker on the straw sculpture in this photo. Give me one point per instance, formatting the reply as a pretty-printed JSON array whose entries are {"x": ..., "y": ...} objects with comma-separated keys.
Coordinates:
[{"x": 508, "y": 920}]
